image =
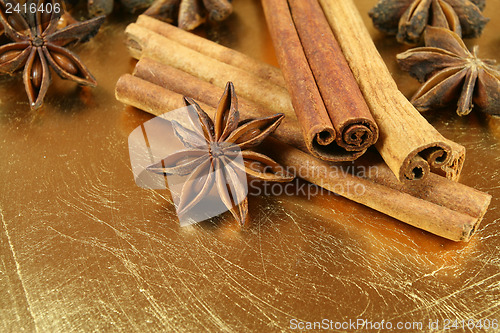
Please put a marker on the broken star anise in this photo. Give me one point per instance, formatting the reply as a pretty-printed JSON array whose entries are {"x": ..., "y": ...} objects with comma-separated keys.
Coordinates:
[
  {"x": 450, "y": 70},
  {"x": 210, "y": 155},
  {"x": 38, "y": 44},
  {"x": 189, "y": 14},
  {"x": 407, "y": 19}
]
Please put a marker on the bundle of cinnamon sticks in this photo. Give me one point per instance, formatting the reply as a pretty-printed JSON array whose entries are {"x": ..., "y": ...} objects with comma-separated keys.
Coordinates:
[
  {"x": 327, "y": 101},
  {"x": 174, "y": 63},
  {"x": 329, "y": 38}
]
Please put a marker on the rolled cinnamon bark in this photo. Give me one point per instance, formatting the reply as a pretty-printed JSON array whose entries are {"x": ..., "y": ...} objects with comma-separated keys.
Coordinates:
[
  {"x": 317, "y": 128},
  {"x": 213, "y": 50},
  {"x": 438, "y": 205},
  {"x": 406, "y": 138},
  {"x": 144, "y": 42},
  {"x": 303, "y": 41},
  {"x": 318, "y": 132},
  {"x": 188, "y": 85},
  {"x": 407, "y": 160},
  {"x": 322, "y": 113}
]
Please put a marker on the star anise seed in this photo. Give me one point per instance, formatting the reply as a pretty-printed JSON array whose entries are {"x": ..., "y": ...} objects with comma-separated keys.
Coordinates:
[
  {"x": 407, "y": 19},
  {"x": 452, "y": 73},
  {"x": 38, "y": 44},
  {"x": 210, "y": 155}
]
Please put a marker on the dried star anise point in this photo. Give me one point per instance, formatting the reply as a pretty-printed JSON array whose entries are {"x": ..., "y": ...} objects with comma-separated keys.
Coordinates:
[
  {"x": 189, "y": 14},
  {"x": 209, "y": 158}
]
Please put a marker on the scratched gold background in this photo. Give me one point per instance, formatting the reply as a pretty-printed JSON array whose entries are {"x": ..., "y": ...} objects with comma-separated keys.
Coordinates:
[{"x": 82, "y": 248}]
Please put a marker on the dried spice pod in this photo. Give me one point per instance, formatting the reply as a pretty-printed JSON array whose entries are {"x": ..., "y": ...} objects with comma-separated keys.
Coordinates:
[
  {"x": 100, "y": 7},
  {"x": 452, "y": 74},
  {"x": 38, "y": 44},
  {"x": 209, "y": 155},
  {"x": 165, "y": 10},
  {"x": 435, "y": 204},
  {"x": 218, "y": 10},
  {"x": 190, "y": 14},
  {"x": 407, "y": 19}
]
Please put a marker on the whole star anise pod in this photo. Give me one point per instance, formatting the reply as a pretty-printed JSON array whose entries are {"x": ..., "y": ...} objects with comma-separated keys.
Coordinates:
[
  {"x": 38, "y": 45},
  {"x": 189, "y": 14},
  {"x": 407, "y": 19},
  {"x": 451, "y": 72},
  {"x": 210, "y": 155}
]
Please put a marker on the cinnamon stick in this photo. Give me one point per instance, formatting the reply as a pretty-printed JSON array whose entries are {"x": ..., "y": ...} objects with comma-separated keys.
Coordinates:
[
  {"x": 438, "y": 205},
  {"x": 411, "y": 164},
  {"x": 187, "y": 85},
  {"x": 144, "y": 42},
  {"x": 316, "y": 126},
  {"x": 318, "y": 136},
  {"x": 214, "y": 50},
  {"x": 406, "y": 138},
  {"x": 320, "y": 82}
]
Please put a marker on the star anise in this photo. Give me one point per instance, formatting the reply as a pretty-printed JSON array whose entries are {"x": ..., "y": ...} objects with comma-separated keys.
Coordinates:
[
  {"x": 407, "y": 19},
  {"x": 210, "y": 155},
  {"x": 450, "y": 70},
  {"x": 38, "y": 44},
  {"x": 189, "y": 14}
]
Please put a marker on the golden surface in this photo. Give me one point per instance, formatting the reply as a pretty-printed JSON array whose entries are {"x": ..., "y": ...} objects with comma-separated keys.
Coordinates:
[{"x": 82, "y": 248}]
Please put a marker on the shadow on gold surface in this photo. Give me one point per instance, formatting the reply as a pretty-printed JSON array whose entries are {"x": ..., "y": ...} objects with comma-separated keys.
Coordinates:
[{"x": 83, "y": 248}]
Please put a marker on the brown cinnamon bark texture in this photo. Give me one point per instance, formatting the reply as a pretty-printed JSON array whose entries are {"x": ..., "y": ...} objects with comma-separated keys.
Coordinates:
[
  {"x": 138, "y": 40},
  {"x": 144, "y": 42},
  {"x": 410, "y": 146},
  {"x": 316, "y": 126},
  {"x": 213, "y": 50},
  {"x": 319, "y": 135},
  {"x": 314, "y": 67},
  {"x": 436, "y": 204},
  {"x": 188, "y": 85}
]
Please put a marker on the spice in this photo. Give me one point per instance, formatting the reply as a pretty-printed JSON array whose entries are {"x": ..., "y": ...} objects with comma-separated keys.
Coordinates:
[
  {"x": 452, "y": 73},
  {"x": 189, "y": 14},
  {"x": 213, "y": 50},
  {"x": 401, "y": 149},
  {"x": 409, "y": 145},
  {"x": 185, "y": 84},
  {"x": 253, "y": 80},
  {"x": 210, "y": 155},
  {"x": 38, "y": 44},
  {"x": 407, "y": 19},
  {"x": 105, "y": 7},
  {"x": 326, "y": 98},
  {"x": 144, "y": 42},
  {"x": 435, "y": 204}
]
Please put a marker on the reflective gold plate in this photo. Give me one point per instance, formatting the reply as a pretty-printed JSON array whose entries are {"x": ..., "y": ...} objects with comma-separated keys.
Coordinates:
[{"x": 82, "y": 248}]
